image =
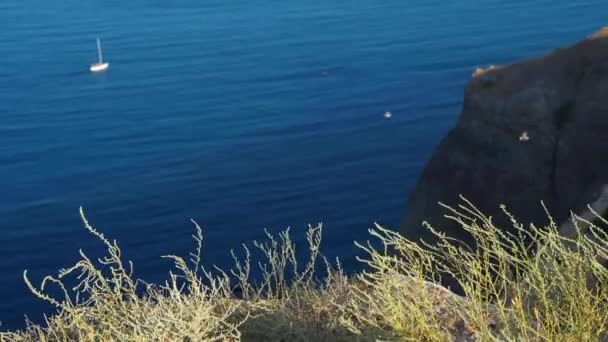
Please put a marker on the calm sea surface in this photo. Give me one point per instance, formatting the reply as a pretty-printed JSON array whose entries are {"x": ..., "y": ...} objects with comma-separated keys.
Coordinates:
[{"x": 243, "y": 115}]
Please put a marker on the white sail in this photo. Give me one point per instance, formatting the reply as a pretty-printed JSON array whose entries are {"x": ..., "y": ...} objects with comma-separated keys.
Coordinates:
[{"x": 99, "y": 51}]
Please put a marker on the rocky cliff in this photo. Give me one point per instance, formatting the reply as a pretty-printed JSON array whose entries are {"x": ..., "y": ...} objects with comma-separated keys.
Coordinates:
[{"x": 531, "y": 131}]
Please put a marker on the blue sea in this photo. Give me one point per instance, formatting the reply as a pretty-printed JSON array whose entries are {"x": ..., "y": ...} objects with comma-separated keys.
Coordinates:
[{"x": 242, "y": 115}]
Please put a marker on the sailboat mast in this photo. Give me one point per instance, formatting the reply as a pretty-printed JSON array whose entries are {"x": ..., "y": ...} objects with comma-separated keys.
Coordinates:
[{"x": 99, "y": 51}]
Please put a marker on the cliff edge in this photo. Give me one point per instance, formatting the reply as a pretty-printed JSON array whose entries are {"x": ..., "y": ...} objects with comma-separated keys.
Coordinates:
[{"x": 531, "y": 131}]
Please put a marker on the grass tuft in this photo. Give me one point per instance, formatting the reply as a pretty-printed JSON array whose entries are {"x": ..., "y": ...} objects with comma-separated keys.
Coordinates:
[{"x": 530, "y": 284}]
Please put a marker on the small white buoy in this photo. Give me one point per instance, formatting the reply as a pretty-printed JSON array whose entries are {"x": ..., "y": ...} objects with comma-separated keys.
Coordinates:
[
  {"x": 388, "y": 115},
  {"x": 524, "y": 136}
]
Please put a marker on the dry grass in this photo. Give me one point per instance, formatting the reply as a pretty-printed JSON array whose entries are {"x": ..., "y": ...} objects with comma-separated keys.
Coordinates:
[{"x": 552, "y": 289}]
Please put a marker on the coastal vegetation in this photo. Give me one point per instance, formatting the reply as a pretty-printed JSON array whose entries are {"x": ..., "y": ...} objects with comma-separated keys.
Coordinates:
[{"x": 533, "y": 285}]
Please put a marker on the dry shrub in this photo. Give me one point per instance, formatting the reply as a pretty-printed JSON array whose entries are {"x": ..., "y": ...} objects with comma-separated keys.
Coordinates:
[{"x": 529, "y": 284}]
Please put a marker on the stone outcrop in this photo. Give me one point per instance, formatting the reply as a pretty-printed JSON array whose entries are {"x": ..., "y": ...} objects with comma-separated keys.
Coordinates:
[{"x": 529, "y": 132}]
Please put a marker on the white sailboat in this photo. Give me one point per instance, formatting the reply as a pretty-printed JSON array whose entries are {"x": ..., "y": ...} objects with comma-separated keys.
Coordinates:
[{"x": 99, "y": 66}]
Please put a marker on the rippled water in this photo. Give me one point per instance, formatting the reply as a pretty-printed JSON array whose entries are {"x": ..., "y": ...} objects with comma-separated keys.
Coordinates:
[{"x": 239, "y": 114}]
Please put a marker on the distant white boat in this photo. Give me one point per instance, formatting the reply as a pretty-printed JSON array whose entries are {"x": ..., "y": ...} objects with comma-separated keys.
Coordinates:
[
  {"x": 99, "y": 66},
  {"x": 388, "y": 115}
]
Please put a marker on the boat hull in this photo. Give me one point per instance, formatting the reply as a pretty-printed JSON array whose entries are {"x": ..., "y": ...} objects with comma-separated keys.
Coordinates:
[{"x": 99, "y": 67}]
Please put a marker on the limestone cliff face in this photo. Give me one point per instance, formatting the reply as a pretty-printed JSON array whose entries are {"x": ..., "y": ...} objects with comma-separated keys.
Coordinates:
[{"x": 531, "y": 131}]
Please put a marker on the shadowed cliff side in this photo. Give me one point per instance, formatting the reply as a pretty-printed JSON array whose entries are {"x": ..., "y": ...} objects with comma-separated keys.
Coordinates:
[{"x": 531, "y": 131}]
